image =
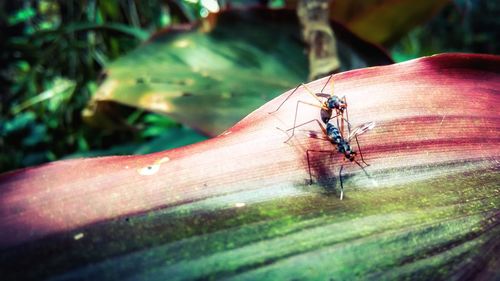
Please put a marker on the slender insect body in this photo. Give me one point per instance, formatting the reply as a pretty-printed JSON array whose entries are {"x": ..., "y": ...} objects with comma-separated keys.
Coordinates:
[
  {"x": 345, "y": 148},
  {"x": 336, "y": 135},
  {"x": 343, "y": 145},
  {"x": 333, "y": 133}
]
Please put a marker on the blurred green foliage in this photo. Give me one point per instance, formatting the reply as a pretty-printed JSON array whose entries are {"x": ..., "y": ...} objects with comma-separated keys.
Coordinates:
[
  {"x": 470, "y": 26},
  {"x": 53, "y": 53}
]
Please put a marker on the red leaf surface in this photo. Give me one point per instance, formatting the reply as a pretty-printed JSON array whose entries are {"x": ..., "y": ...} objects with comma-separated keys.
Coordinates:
[{"x": 434, "y": 115}]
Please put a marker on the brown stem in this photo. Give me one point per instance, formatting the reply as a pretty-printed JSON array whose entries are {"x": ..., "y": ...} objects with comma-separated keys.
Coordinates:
[{"x": 316, "y": 31}]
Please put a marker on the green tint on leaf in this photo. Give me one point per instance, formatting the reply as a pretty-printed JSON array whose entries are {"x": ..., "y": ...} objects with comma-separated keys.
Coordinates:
[
  {"x": 163, "y": 139},
  {"x": 209, "y": 81}
]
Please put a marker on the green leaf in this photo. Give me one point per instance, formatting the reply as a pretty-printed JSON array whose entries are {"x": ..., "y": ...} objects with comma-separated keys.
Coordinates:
[{"x": 209, "y": 81}]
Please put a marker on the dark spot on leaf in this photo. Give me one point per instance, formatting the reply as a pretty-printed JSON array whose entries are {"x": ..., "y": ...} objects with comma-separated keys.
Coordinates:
[{"x": 313, "y": 134}]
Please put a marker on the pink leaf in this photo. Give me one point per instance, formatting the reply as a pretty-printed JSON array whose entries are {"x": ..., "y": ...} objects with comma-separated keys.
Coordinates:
[{"x": 436, "y": 118}]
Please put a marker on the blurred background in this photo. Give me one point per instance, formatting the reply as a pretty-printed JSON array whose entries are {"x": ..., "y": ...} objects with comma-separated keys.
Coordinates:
[{"x": 93, "y": 78}]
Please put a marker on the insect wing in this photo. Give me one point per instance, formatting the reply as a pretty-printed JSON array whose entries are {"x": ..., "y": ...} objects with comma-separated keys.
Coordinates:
[
  {"x": 323, "y": 95},
  {"x": 361, "y": 129}
]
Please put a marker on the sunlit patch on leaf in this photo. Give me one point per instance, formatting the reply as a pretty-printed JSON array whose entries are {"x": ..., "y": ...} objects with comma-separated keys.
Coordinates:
[
  {"x": 152, "y": 169},
  {"x": 155, "y": 102}
]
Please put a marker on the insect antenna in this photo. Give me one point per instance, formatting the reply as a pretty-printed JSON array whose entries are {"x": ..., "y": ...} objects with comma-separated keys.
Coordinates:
[{"x": 324, "y": 86}]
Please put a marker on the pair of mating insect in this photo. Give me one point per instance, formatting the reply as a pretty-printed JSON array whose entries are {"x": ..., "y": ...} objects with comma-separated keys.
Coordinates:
[{"x": 332, "y": 107}]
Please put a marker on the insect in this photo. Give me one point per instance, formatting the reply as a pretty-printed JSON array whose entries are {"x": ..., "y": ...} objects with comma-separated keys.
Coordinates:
[
  {"x": 328, "y": 106},
  {"x": 332, "y": 134}
]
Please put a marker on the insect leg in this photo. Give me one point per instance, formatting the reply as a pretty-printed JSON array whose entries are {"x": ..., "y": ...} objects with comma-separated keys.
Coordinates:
[
  {"x": 349, "y": 130},
  {"x": 312, "y": 94},
  {"x": 346, "y": 117},
  {"x": 339, "y": 126},
  {"x": 356, "y": 138},
  {"x": 309, "y": 162},
  {"x": 362, "y": 168},
  {"x": 335, "y": 116},
  {"x": 360, "y": 153},
  {"x": 293, "y": 92},
  {"x": 295, "y": 118},
  {"x": 341, "y": 182},
  {"x": 329, "y": 78},
  {"x": 309, "y": 167}
]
